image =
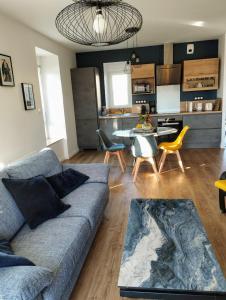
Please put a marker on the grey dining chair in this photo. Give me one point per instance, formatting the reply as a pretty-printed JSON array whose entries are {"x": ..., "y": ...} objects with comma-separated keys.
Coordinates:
[
  {"x": 112, "y": 149},
  {"x": 144, "y": 148}
]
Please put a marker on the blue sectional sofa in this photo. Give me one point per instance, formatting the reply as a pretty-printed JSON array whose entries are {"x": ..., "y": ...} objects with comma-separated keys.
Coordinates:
[{"x": 59, "y": 246}]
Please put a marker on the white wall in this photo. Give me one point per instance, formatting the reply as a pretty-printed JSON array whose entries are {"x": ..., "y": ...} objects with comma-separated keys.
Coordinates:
[
  {"x": 22, "y": 132},
  {"x": 222, "y": 90}
]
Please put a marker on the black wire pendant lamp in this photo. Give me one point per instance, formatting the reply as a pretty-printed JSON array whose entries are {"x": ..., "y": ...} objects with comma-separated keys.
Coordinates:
[
  {"x": 134, "y": 59},
  {"x": 99, "y": 22}
]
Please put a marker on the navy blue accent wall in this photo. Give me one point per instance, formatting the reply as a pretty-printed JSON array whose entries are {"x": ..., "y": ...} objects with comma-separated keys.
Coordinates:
[
  {"x": 151, "y": 54},
  {"x": 203, "y": 49}
]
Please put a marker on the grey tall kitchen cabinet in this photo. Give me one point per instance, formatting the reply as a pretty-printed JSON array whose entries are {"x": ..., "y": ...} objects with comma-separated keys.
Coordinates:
[{"x": 87, "y": 105}]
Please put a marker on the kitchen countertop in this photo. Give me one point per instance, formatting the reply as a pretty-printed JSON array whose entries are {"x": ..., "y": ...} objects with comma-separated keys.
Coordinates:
[{"x": 133, "y": 115}]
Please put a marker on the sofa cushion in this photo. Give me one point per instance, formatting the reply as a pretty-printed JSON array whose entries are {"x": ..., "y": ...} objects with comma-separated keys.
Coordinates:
[
  {"x": 57, "y": 245},
  {"x": 11, "y": 219},
  {"x": 36, "y": 199},
  {"x": 96, "y": 172},
  {"x": 23, "y": 283},
  {"x": 88, "y": 201},
  {"x": 43, "y": 163}
]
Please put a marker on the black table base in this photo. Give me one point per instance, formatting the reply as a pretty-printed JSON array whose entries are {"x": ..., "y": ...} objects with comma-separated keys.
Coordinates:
[{"x": 161, "y": 295}]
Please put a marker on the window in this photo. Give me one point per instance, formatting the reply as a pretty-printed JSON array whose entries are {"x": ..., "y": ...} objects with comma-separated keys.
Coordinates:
[
  {"x": 117, "y": 85},
  {"x": 51, "y": 95}
]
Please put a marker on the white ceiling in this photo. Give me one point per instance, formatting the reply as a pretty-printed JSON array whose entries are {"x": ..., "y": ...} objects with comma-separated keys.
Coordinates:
[{"x": 164, "y": 20}]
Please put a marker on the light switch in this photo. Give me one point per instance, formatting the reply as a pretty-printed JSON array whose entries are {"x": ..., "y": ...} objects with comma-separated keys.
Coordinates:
[{"x": 190, "y": 48}]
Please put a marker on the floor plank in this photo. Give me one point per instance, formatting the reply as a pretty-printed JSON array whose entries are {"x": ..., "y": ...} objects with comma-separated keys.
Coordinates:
[{"x": 98, "y": 279}]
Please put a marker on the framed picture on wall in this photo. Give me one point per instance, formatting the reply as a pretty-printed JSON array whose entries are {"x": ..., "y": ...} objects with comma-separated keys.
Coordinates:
[
  {"x": 28, "y": 95},
  {"x": 6, "y": 71}
]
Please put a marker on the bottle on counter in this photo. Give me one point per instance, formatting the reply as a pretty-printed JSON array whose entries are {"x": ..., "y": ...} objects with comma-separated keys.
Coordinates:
[
  {"x": 147, "y": 88},
  {"x": 190, "y": 106}
]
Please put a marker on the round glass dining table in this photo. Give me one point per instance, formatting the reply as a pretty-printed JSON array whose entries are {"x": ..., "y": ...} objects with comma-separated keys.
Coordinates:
[
  {"x": 131, "y": 133},
  {"x": 147, "y": 146}
]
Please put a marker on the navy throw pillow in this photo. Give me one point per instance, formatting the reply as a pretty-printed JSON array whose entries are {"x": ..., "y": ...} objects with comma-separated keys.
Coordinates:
[
  {"x": 9, "y": 259},
  {"x": 36, "y": 199},
  {"x": 67, "y": 181}
]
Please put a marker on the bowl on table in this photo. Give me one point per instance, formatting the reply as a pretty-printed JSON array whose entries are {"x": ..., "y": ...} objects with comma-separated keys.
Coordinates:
[{"x": 144, "y": 130}]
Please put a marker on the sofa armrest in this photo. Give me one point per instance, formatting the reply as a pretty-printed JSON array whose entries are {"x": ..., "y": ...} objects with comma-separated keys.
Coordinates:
[
  {"x": 24, "y": 282},
  {"x": 98, "y": 173}
]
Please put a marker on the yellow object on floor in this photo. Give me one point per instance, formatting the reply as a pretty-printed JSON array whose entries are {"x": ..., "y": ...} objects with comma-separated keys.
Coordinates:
[
  {"x": 173, "y": 148},
  {"x": 221, "y": 185}
]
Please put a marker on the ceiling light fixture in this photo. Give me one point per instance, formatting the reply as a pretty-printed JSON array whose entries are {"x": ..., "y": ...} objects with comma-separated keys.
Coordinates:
[
  {"x": 99, "y": 22},
  {"x": 134, "y": 58},
  {"x": 198, "y": 23},
  {"x": 128, "y": 67}
]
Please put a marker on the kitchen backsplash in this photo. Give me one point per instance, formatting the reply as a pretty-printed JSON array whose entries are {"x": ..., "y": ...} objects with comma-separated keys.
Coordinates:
[{"x": 215, "y": 105}]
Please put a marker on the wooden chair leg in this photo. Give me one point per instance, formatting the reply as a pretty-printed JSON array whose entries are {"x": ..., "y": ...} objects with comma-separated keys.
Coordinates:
[
  {"x": 162, "y": 160},
  {"x": 134, "y": 165},
  {"x": 153, "y": 163},
  {"x": 180, "y": 161},
  {"x": 134, "y": 161},
  {"x": 123, "y": 159},
  {"x": 120, "y": 161},
  {"x": 137, "y": 166},
  {"x": 106, "y": 158}
]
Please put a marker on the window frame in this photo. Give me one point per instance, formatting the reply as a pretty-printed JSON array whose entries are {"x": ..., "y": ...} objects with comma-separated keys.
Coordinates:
[
  {"x": 115, "y": 68},
  {"x": 54, "y": 121}
]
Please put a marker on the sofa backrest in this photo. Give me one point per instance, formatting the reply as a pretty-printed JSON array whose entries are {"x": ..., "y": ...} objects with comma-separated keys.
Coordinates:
[
  {"x": 43, "y": 163},
  {"x": 11, "y": 219}
]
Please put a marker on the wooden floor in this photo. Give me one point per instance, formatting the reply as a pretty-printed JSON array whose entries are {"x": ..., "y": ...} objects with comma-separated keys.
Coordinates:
[{"x": 98, "y": 279}]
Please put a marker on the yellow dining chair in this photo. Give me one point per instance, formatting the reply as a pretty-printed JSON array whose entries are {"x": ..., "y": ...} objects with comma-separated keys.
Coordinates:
[
  {"x": 221, "y": 185},
  {"x": 173, "y": 148}
]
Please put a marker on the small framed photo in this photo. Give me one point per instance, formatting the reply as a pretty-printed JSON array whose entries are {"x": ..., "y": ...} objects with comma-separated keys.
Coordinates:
[
  {"x": 28, "y": 95},
  {"x": 6, "y": 71}
]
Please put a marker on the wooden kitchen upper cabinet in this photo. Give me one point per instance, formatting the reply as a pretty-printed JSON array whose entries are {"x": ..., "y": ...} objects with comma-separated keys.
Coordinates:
[
  {"x": 143, "y": 79},
  {"x": 143, "y": 71},
  {"x": 201, "y": 74}
]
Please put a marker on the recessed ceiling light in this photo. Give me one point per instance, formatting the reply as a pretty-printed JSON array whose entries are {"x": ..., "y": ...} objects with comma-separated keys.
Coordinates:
[{"x": 198, "y": 23}]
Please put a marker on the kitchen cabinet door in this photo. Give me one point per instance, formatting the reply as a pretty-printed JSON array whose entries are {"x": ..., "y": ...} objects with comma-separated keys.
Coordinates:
[
  {"x": 128, "y": 124},
  {"x": 154, "y": 121},
  {"x": 210, "y": 121},
  {"x": 111, "y": 125},
  {"x": 201, "y": 74},
  {"x": 143, "y": 71},
  {"x": 202, "y": 138},
  {"x": 86, "y": 134},
  {"x": 85, "y": 86}
]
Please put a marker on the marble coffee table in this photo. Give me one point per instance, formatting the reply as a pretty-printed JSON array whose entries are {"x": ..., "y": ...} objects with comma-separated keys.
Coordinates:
[{"x": 167, "y": 254}]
